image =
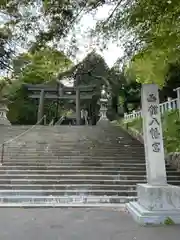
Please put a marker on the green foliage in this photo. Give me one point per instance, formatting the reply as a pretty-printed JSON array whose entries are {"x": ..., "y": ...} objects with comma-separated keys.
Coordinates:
[
  {"x": 150, "y": 30},
  {"x": 171, "y": 130},
  {"x": 34, "y": 23},
  {"x": 42, "y": 66},
  {"x": 5, "y": 53},
  {"x": 137, "y": 124},
  {"x": 129, "y": 92},
  {"x": 169, "y": 221},
  {"x": 22, "y": 110},
  {"x": 93, "y": 70},
  {"x": 4, "y": 86},
  {"x": 150, "y": 66}
]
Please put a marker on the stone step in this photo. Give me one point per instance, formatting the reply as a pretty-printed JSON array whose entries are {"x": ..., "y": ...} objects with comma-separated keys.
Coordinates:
[
  {"x": 79, "y": 181},
  {"x": 68, "y": 192},
  {"x": 89, "y": 171},
  {"x": 41, "y": 201},
  {"x": 81, "y": 176},
  {"x": 52, "y": 161},
  {"x": 74, "y": 177},
  {"x": 82, "y": 180},
  {"x": 70, "y": 153},
  {"x": 80, "y": 145},
  {"x": 55, "y": 161},
  {"x": 76, "y": 148},
  {"x": 76, "y": 164},
  {"x": 73, "y": 155},
  {"x": 31, "y": 166},
  {"x": 73, "y": 158},
  {"x": 67, "y": 199},
  {"x": 72, "y": 181},
  {"x": 55, "y": 143},
  {"x": 63, "y": 205},
  {"x": 65, "y": 187},
  {"x": 77, "y": 168},
  {"x": 117, "y": 177}
]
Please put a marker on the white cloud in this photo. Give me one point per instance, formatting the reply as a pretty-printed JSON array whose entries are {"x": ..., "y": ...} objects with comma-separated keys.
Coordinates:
[{"x": 86, "y": 44}]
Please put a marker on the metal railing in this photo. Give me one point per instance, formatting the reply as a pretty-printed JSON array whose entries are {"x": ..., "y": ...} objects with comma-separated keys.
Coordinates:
[
  {"x": 171, "y": 104},
  {"x": 60, "y": 121},
  {"x": 17, "y": 137},
  {"x": 51, "y": 122}
]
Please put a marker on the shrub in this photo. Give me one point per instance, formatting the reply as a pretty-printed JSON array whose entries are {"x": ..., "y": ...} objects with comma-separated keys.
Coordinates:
[{"x": 171, "y": 130}]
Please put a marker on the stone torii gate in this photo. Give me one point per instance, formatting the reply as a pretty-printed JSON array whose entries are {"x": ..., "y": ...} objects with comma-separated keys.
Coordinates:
[{"x": 43, "y": 91}]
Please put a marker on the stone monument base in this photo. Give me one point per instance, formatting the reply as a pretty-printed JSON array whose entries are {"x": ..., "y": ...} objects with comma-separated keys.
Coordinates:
[
  {"x": 4, "y": 122},
  {"x": 103, "y": 121},
  {"x": 156, "y": 205}
]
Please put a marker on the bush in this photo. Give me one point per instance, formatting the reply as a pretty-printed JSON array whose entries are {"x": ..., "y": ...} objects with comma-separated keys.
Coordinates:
[
  {"x": 137, "y": 124},
  {"x": 171, "y": 130}
]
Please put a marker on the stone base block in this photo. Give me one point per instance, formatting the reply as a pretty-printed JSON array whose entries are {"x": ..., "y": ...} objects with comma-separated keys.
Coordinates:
[
  {"x": 103, "y": 121},
  {"x": 156, "y": 205},
  {"x": 144, "y": 217},
  {"x": 4, "y": 121}
]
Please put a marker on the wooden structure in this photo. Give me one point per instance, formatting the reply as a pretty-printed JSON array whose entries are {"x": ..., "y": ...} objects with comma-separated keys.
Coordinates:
[{"x": 60, "y": 92}]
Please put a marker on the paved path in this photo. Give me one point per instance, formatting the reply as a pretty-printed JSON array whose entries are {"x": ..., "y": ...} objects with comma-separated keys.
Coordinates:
[{"x": 77, "y": 224}]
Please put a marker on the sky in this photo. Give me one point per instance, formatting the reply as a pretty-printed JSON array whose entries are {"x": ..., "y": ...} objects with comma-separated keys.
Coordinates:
[
  {"x": 86, "y": 44},
  {"x": 88, "y": 21}
]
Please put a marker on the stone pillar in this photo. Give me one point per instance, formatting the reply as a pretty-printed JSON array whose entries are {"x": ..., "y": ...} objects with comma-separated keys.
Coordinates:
[
  {"x": 78, "y": 110},
  {"x": 178, "y": 98},
  {"x": 157, "y": 201},
  {"x": 3, "y": 115},
  {"x": 153, "y": 139},
  {"x": 169, "y": 103},
  {"x": 41, "y": 106}
]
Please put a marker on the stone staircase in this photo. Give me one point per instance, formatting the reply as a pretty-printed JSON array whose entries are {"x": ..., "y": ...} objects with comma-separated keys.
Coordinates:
[{"x": 72, "y": 166}]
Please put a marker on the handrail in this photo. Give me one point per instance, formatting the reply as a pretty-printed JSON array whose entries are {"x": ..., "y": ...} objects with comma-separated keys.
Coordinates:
[
  {"x": 51, "y": 122},
  {"x": 59, "y": 121},
  {"x": 171, "y": 104},
  {"x": 20, "y": 135}
]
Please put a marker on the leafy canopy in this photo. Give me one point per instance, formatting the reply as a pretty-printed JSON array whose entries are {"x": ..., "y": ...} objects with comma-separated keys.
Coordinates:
[
  {"x": 150, "y": 31},
  {"x": 34, "y": 23},
  {"x": 41, "y": 66}
]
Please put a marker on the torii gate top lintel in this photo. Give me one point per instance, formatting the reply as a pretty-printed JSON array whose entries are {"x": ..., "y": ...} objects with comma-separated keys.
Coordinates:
[{"x": 49, "y": 88}]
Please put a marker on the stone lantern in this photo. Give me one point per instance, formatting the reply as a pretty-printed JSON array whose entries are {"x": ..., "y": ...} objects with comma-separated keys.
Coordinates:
[
  {"x": 103, "y": 105},
  {"x": 3, "y": 112}
]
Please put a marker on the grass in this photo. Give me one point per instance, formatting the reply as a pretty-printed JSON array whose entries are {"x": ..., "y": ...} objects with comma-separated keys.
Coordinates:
[{"x": 171, "y": 129}]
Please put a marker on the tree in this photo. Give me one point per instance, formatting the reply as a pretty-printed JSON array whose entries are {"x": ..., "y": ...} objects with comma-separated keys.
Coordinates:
[
  {"x": 5, "y": 51},
  {"x": 151, "y": 31},
  {"x": 41, "y": 66},
  {"x": 172, "y": 81},
  {"x": 5, "y": 82},
  {"x": 91, "y": 70},
  {"x": 44, "y": 21},
  {"x": 129, "y": 94}
]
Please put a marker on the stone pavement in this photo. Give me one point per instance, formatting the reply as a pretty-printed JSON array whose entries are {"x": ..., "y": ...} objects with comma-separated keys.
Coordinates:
[{"x": 77, "y": 224}]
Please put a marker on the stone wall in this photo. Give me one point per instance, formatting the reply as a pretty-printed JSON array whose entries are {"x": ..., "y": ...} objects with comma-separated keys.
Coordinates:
[{"x": 172, "y": 158}]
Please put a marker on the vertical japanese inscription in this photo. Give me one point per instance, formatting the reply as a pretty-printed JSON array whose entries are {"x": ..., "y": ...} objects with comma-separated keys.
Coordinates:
[{"x": 154, "y": 123}]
